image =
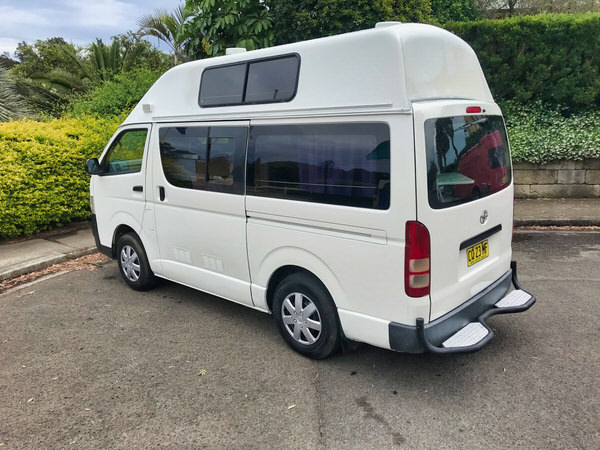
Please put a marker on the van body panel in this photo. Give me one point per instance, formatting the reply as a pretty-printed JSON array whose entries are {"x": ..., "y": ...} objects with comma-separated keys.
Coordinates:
[
  {"x": 340, "y": 241},
  {"x": 378, "y": 70},
  {"x": 363, "y": 328},
  {"x": 201, "y": 234},
  {"x": 452, "y": 281}
]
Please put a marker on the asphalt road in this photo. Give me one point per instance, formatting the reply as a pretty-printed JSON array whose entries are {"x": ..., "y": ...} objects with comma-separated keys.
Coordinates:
[{"x": 86, "y": 362}]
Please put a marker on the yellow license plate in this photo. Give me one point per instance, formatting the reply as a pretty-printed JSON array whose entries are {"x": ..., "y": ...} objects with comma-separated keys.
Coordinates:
[{"x": 477, "y": 252}]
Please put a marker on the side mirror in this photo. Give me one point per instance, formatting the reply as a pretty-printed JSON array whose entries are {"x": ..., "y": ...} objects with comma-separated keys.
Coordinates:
[{"x": 92, "y": 166}]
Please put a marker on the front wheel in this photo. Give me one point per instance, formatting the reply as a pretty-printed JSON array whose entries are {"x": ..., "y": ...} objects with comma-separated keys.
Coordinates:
[
  {"x": 306, "y": 316},
  {"x": 133, "y": 263}
]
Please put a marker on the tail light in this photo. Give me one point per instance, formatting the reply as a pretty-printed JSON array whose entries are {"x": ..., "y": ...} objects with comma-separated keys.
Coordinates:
[{"x": 417, "y": 260}]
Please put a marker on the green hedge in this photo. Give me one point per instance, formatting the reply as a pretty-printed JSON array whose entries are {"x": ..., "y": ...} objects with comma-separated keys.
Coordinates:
[
  {"x": 553, "y": 58},
  {"x": 42, "y": 181},
  {"x": 540, "y": 134}
]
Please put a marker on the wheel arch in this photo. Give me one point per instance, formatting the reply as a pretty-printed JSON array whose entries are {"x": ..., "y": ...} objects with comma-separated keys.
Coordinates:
[{"x": 283, "y": 262}]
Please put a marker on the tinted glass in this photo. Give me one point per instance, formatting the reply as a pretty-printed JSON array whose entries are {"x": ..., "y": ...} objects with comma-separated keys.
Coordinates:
[
  {"x": 467, "y": 158},
  {"x": 183, "y": 153},
  {"x": 341, "y": 164},
  {"x": 272, "y": 80},
  {"x": 223, "y": 85},
  {"x": 204, "y": 158},
  {"x": 126, "y": 153},
  {"x": 227, "y": 151}
]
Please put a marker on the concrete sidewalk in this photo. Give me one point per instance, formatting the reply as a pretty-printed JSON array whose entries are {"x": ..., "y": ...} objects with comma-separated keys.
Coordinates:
[{"x": 18, "y": 258}]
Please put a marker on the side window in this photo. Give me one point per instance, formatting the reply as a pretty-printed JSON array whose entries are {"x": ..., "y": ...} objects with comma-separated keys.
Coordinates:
[
  {"x": 270, "y": 80},
  {"x": 183, "y": 155},
  {"x": 126, "y": 153},
  {"x": 204, "y": 158},
  {"x": 223, "y": 85},
  {"x": 339, "y": 164}
]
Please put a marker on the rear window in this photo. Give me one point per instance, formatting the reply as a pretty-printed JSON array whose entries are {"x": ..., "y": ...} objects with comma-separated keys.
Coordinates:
[{"x": 467, "y": 158}]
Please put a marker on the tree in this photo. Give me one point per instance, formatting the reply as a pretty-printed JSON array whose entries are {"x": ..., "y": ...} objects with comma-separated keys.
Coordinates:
[
  {"x": 12, "y": 104},
  {"x": 6, "y": 61},
  {"x": 167, "y": 28},
  {"x": 299, "y": 20},
  {"x": 455, "y": 10},
  {"x": 44, "y": 56},
  {"x": 215, "y": 26}
]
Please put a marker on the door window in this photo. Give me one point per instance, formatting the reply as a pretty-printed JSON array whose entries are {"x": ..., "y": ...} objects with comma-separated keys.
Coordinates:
[
  {"x": 204, "y": 158},
  {"x": 125, "y": 153}
]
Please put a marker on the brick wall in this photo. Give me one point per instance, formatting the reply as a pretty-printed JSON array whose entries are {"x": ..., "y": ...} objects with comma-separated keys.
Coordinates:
[{"x": 562, "y": 179}]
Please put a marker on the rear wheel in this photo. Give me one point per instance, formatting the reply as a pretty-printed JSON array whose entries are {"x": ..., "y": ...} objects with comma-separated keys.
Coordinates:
[
  {"x": 306, "y": 316},
  {"x": 133, "y": 263}
]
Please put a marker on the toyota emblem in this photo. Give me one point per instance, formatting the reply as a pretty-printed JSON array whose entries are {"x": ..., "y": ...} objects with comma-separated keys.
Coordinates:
[{"x": 484, "y": 217}]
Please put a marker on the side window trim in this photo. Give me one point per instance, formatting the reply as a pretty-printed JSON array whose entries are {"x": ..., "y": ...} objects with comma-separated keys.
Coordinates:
[{"x": 116, "y": 138}]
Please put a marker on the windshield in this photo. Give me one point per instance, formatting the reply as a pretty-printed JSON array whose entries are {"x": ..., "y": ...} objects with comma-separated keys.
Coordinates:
[{"x": 467, "y": 158}]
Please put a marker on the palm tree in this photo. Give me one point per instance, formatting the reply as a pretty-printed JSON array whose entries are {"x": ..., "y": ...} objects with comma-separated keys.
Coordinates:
[
  {"x": 167, "y": 28},
  {"x": 12, "y": 104}
]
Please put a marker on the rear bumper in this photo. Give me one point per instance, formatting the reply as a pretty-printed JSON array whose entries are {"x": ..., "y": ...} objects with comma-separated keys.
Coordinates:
[{"x": 429, "y": 337}]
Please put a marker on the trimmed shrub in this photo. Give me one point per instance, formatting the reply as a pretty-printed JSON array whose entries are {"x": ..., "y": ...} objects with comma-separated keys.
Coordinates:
[
  {"x": 541, "y": 134},
  {"x": 553, "y": 58},
  {"x": 42, "y": 180}
]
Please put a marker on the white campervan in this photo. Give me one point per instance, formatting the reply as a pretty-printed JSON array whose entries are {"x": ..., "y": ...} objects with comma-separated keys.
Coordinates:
[{"x": 358, "y": 187}]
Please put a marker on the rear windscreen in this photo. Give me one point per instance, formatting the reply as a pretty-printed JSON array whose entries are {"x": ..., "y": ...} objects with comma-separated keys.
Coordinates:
[{"x": 467, "y": 158}]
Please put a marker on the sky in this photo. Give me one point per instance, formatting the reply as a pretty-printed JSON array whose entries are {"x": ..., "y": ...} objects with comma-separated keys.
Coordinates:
[{"x": 77, "y": 21}]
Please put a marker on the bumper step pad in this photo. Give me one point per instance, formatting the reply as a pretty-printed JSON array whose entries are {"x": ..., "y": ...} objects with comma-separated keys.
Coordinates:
[
  {"x": 475, "y": 335},
  {"x": 514, "y": 298},
  {"x": 472, "y": 334}
]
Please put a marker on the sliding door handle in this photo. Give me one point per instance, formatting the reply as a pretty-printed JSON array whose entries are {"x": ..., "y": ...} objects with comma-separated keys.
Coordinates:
[{"x": 161, "y": 193}]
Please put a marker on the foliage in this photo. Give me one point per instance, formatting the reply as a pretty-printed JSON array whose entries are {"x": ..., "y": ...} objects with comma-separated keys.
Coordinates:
[
  {"x": 106, "y": 60},
  {"x": 113, "y": 97},
  {"x": 299, "y": 20},
  {"x": 167, "y": 28},
  {"x": 455, "y": 10},
  {"x": 502, "y": 8},
  {"x": 12, "y": 104},
  {"x": 52, "y": 88},
  {"x": 553, "y": 58},
  {"x": 44, "y": 56},
  {"x": 6, "y": 61},
  {"x": 217, "y": 25},
  {"x": 42, "y": 181},
  {"x": 539, "y": 133}
]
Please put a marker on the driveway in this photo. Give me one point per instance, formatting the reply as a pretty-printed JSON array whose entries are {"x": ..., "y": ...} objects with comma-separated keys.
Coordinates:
[{"x": 86, "y": 362}]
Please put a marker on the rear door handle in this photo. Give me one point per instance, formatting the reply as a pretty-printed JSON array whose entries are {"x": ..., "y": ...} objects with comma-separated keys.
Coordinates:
[
  {"x": 138, "y": 189},
  {"x": 161, "y": 193}
]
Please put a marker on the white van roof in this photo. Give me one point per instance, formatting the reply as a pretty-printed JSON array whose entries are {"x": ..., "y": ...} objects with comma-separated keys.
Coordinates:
[{"x": 382, "y": 69}]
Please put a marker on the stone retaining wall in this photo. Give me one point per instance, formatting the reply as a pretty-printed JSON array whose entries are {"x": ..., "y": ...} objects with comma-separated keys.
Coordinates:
[{"x": 562, "y": 179}]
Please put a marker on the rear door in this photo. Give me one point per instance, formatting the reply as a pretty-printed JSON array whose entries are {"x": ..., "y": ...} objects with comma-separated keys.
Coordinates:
[{"x": 464, "y": 197}]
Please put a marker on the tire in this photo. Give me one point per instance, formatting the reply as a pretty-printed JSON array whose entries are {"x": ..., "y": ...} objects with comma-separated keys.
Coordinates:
[
  {"x": 133, "y": 263},
  {"x": 316, "y": 336}
]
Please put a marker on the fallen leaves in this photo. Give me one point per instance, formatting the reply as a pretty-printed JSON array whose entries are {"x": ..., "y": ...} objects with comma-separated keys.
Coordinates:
[{"x": 87, "y": 262}]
